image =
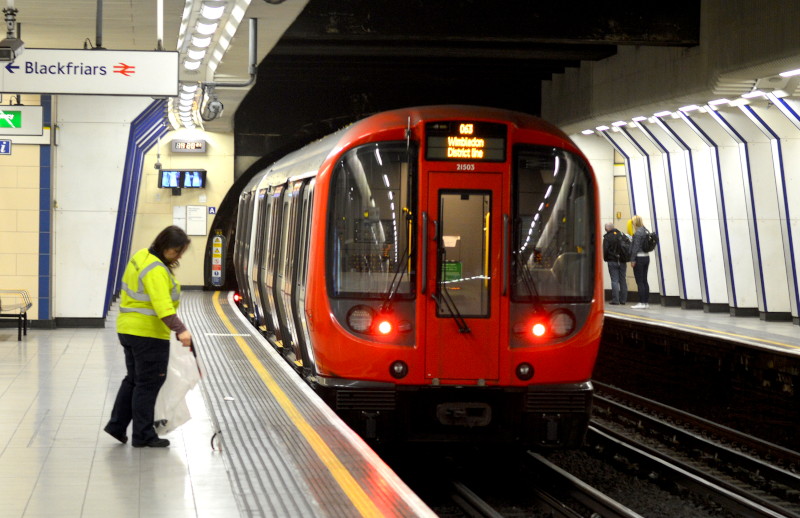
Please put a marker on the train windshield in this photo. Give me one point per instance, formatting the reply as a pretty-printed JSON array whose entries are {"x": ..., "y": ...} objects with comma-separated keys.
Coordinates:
[
  {"x": 553, "y": 231},
  {"x": 370, "y": 222}
]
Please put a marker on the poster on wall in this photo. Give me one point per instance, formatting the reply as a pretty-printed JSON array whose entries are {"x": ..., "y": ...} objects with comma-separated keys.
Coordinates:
[
  {"x": 196, "y": 220},
  {"x": 179, "y": 216}
]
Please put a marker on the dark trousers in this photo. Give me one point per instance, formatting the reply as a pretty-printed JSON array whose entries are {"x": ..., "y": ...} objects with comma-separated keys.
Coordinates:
[
  {"x": 640, "y": 274},
  {"x": 146, "y": 360},
  {"x": 619, "y": 284}
]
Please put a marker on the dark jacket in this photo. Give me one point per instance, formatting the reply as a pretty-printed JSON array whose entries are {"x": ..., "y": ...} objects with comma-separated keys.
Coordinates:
[{"x": 609, "y": 241}]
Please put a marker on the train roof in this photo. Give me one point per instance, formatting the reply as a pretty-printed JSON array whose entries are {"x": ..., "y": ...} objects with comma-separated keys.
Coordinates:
[{"x": 310, "y": 158}]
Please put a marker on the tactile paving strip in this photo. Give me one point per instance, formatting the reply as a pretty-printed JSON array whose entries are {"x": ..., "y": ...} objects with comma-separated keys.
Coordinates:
[{"x": 273, "y": 469}]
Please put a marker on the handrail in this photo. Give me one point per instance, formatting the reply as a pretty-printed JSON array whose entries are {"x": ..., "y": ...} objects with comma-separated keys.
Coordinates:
[{"x": 424, "y": 256}]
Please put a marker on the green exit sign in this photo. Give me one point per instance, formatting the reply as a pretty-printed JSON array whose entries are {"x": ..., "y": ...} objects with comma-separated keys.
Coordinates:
[{"x": 10, "y": 119}]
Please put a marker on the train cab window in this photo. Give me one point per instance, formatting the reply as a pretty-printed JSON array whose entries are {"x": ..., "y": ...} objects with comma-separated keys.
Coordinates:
[
  {"x": 553, "y": 233},
  {"x": 370, "y": 222}
]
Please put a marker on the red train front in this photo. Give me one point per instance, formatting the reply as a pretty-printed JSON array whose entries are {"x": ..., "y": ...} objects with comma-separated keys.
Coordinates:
[{"x": 434, "y": 273}]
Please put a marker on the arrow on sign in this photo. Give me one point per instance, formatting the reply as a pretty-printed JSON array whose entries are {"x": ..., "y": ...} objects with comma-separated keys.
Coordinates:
[{"x": 11, "y": 67}]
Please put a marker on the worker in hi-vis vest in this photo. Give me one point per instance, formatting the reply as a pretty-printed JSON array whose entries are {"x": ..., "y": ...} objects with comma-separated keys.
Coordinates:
[{"x": 147, "y": 313}]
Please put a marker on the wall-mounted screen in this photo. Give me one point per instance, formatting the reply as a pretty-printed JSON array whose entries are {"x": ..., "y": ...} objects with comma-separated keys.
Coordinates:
[
  {"x": 182, "y": 179},
  {"x": 194, "y": 179},
  {"x": 169, "y": 179}
]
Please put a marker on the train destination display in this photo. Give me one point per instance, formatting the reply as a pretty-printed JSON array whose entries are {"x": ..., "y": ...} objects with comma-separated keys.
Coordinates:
[{"x": 465, "y": 141}]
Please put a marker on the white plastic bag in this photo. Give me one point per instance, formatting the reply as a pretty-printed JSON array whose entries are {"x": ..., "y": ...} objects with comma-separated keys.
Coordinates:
[{"x": 183, "y": 374}]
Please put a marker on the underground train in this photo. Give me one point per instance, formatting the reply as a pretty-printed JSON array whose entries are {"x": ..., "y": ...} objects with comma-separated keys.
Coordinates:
[{"x": 433, "y": 273}]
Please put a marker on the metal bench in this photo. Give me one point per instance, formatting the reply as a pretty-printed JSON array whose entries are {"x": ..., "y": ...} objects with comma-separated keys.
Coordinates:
[{"x": 15, "y": 304}]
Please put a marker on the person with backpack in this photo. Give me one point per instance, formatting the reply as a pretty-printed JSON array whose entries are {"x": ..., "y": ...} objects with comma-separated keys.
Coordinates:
[
  {"x": 640, "y": 261},
  {"x": 616, "y": 251}
]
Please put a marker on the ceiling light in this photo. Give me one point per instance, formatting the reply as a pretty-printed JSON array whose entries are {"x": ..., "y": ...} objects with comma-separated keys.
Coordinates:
[
  {"x": 212, "y": 12},
  {"x": 715, "y": 102},
  {"x": 191, "y": 65},
  {"x": 588, "y": 132},
  {"x": 206, "y": 29},
  {"x": 790, "y": 73},
  {"x": 617, "y": 124},
  {"x": 202, "y": 42},
  {"x": 196, "y": 54},
  {"x": 639, "y": 118},
  {"x": 662, "y": 114},
  {"x": 740, "y": 102},
  {"x": 186, "y": 95},
  {"x": 690, "y": 108},
  {"x": 602, "y": 128},
  {"x": 189, "y": 88},
  {"x": 237, "y": 13},
  {"x": 754, "y": 93}
]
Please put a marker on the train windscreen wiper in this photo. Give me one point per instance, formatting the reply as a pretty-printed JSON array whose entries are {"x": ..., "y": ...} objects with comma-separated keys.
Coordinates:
[
  {"x": 527, "y": 278},
  {"x": 444, "y": 299},
  {"x": 399, "y": 271}
]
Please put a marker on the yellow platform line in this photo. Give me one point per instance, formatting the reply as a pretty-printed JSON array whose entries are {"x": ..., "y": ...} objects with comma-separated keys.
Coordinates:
[
  {"x": 349, "y": 485},
  {"x": 707, "y": 330}
]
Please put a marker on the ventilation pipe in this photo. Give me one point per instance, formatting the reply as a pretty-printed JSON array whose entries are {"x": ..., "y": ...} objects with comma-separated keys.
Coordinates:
[{"x": 214, "y": 107}]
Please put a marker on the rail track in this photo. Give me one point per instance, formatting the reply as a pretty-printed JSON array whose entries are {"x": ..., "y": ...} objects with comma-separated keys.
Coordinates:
[{"x": 741, "y": 473}]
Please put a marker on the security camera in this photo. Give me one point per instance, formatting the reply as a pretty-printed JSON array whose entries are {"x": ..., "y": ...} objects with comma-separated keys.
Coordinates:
[
  {"x": 213, "y": 110},
  {"x": 157, "y": 165},
  {"x": 11, "y": 48}
]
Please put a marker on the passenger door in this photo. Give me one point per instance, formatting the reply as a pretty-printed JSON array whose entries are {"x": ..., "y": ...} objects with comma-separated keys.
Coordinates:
[{"x": 462, "y": 275}]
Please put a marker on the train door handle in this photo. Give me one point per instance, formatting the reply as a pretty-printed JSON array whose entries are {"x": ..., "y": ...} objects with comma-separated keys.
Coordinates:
[
  {"x": 505, "y": 254},
  {"x": 424, "y": 256}
]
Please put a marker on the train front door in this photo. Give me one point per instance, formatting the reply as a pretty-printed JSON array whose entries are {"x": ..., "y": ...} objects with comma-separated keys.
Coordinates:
[{"x": 461, "y": 282}]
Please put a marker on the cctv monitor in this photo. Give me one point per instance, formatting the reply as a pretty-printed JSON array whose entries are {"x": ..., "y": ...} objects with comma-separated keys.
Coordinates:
[
  {"x": 194, "y": 179},
  {"x": 169, "y": 178}
]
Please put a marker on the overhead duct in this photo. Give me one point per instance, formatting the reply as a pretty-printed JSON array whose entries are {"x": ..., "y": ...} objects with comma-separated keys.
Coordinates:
[{"x": 213, "y": 106}]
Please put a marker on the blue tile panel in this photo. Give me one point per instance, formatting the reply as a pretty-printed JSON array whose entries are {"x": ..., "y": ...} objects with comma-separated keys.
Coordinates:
[
  {"x": 145, "y": 131},
  {"x": 45, "y": 217}
]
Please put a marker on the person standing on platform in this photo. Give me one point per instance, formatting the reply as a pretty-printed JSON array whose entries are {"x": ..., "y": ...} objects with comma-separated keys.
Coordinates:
[
  {"x": 640, "y": 262},
  {"x": 148, "y": 312},
  {"x": 616, "y": 251}
]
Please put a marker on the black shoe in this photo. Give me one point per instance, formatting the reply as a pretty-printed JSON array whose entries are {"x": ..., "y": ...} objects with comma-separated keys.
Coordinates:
[
  {"x": 614, "y": 303},
  {"x": 121, "y": 437},
  {"x": 158, "y": 442}
]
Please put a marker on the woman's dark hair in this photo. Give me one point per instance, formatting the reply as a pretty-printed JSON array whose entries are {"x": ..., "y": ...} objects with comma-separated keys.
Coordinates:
[{"x": 169, "y": 238}]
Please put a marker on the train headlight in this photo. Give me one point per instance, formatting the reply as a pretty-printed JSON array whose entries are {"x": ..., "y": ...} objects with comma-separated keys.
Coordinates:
[
  {"x": 562, "y": 322},
  {"x": 360, "y": 318},
  {"x": 398, "y": 369},
  {"x": 524, "y": 371}
]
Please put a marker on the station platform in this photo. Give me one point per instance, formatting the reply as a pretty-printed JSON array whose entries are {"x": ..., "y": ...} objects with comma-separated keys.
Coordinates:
[
  {"x": 260, "y": 443},
  {"x": 781, "y": 337}
]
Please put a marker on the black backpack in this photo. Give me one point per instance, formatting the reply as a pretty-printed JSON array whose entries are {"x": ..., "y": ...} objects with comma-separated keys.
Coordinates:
[
  {"x": 621, "y": 247},
  {"x": 650, "y": 241}
]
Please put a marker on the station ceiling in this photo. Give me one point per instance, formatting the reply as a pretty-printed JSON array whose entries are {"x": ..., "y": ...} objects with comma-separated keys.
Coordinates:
[
  {"x": 340, "y": 60},
  {"x": 343, "y": 59}
]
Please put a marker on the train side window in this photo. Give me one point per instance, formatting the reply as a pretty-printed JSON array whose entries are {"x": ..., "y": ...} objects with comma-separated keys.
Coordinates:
[
  {"x": 371, "y": 207},
  {"x": 301, "y": 278},
  {"x": 286, "y": 261},
  {"x": 272, "y": 227}
]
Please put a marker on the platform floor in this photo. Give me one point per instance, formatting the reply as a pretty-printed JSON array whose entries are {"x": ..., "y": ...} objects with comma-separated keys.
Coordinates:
[
  {"x": 57, "y": 388},
  {"x": 276, "y": 452},
  {"x": 780, "y": 336}
]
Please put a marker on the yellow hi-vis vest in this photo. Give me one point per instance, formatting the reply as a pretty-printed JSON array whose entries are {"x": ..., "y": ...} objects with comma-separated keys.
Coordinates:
[{"x": 149, "y": 293}]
